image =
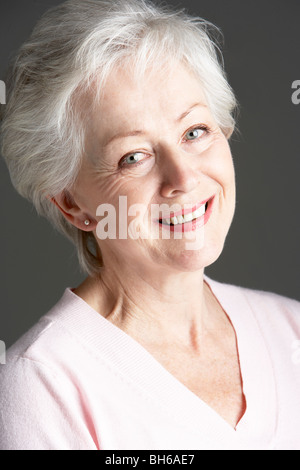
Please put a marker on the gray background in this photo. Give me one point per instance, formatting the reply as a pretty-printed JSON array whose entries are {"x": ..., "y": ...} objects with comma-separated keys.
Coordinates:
[{"x": 261, "y": 52}]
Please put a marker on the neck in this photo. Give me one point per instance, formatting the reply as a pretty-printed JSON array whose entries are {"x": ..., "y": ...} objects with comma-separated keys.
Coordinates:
[{"x": 155, "y": 307}]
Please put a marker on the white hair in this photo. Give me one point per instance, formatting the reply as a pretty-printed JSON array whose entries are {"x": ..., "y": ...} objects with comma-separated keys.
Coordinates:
[{"x": 43, "y": 129}]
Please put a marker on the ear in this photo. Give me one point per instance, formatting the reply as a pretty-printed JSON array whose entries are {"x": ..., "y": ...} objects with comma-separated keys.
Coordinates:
[{"x": 72, "y": 212}]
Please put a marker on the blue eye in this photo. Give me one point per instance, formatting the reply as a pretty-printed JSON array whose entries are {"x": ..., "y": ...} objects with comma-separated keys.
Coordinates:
[
  {"x": 194, "y": 134},
  {"x": 132, "y": 158}
]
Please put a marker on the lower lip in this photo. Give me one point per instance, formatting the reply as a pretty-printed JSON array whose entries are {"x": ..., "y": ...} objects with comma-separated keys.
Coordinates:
[{"x": 193, "y": 224}]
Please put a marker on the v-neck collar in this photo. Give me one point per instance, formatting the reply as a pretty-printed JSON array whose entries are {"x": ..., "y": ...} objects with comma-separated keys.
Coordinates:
[
  {"x": 255, "y": 430},
  {"x": 259, "y": 386}
]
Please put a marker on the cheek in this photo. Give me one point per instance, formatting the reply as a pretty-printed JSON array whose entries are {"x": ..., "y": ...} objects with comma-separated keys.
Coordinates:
[
  {"x": 221, "y": 166},
  {"x": 130, "y": 201},
  {"x": 229, "y": 174},
  {"x": 104, "y": 190},
  {"x": 226, "y": 177}
]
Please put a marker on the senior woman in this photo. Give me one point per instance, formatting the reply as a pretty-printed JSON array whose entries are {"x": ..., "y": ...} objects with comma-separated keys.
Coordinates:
[{"x": 116, "y": 108}]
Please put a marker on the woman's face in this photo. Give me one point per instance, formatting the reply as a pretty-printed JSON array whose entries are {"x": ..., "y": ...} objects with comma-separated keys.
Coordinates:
[{"x": 154, "y": 141}]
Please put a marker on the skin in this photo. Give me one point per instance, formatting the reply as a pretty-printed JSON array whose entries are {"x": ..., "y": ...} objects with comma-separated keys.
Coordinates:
[{"x": 153, "y": 289}]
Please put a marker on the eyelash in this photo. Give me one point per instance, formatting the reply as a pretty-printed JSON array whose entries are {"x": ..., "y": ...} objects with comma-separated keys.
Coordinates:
[{"x": 202, "y": 127}]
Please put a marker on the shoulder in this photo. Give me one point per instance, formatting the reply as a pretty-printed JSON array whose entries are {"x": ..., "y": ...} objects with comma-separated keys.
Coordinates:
[
  {"x": 254, "y": 295},
  {"x": 37, "y": 386},
  {"x": 46, "y": 354},
  {"x": 66, "y": 343},
  {"x": 265, "y": 300},
  {"x": 265, "y": 306},
  {"x": 30, "y": 359},
  {"x": 38, "y": 339}
]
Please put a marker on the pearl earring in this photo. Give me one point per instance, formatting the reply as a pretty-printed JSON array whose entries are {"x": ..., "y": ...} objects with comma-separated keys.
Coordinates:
[{"x": 87, "y": 222}]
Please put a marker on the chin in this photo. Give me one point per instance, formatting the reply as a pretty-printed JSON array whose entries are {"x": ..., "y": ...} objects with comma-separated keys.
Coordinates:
[
  {"x": 196, "y": 260},
  {"x": 212, "y": 255}
]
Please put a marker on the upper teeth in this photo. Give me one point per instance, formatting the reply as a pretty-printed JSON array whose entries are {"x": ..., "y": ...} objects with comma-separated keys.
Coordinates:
[{"x": 181, "y": 219}]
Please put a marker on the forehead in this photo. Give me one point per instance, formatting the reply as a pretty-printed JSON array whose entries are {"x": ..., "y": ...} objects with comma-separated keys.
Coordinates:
[{"x": 127, "y": 96}]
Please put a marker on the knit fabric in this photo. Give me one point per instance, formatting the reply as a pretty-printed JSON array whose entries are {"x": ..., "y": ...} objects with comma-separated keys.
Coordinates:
[{"x": 75, "y": 381}]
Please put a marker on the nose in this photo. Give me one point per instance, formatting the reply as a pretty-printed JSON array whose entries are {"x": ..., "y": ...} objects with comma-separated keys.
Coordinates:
[{"x": 178, "y": 172}]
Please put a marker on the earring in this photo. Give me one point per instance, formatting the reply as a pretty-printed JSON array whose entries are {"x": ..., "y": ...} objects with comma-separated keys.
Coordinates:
[{"x": 87, "y": 222}]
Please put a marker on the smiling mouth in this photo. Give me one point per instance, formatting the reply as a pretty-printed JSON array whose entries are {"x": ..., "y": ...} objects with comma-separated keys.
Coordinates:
[{"x": 185, "y": 218}]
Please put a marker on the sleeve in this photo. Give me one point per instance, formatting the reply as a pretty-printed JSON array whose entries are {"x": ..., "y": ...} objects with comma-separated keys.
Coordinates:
[{"x": 40, "y": 410}]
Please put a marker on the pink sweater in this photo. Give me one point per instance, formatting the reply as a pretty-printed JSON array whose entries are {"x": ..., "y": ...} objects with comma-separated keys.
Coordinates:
[{"x": 76, "y": 381}]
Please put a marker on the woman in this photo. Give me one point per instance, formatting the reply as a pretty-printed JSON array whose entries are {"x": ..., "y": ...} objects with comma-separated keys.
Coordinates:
[{"x": 116, "y": 128}]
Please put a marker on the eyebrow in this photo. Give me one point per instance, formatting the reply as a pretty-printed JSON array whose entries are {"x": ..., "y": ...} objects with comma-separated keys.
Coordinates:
[
  {"x": 121, "y": 135},
  {"x": 134, "y": 133},
  {"x": 183, "y": 115}
]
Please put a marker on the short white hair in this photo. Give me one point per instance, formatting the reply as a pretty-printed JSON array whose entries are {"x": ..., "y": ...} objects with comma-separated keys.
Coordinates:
[{"x": 43, "y": 129}]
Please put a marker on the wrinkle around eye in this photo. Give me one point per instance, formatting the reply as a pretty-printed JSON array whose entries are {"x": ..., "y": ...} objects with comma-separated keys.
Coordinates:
[
  {"x": 207, "y": 138},
  {"x": 141, "y": 166},
  {"x": 123, "y": 162},
  {"x": 104, "y": 170}
]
